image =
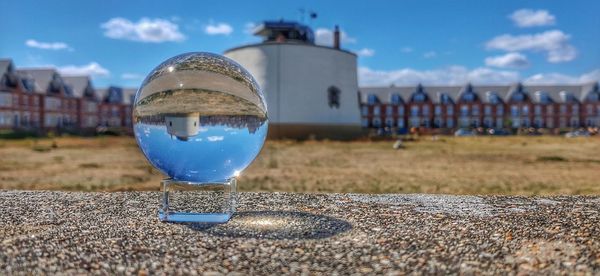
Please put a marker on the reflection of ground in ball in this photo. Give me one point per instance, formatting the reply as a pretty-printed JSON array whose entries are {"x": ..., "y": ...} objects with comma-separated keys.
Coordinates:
[{"x": 276, "y": 225}]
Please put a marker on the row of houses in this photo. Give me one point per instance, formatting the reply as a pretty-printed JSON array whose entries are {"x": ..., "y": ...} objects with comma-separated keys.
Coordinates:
[
  {"x": 472, "y": 106},
  {"x": 41, "y": 99}
]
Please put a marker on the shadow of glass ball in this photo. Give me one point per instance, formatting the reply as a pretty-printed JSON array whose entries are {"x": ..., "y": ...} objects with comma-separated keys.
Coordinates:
[{"x": 276, "y": 225}]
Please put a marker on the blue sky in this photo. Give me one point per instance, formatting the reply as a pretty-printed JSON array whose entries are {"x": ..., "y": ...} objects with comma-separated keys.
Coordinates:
[{"x": 401, "y": 42}]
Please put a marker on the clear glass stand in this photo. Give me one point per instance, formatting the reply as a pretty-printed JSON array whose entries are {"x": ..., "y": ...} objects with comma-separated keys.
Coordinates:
[{"x": 184, "y": 201}]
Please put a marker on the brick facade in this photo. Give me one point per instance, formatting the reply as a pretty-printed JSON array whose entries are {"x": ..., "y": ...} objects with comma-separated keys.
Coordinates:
[
  {"x": 497, "y": 107},
  {"x": 27, "y": 105}
]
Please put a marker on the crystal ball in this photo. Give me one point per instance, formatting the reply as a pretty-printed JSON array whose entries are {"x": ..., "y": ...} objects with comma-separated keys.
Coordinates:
[{"x": 200, "y": 117}]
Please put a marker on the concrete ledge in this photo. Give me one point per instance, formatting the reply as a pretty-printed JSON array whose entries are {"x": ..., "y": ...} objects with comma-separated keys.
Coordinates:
[{"x": 274, "y": 233}]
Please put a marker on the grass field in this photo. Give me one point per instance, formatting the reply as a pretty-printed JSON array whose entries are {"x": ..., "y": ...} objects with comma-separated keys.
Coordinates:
[{"x": 469, "y": 165}]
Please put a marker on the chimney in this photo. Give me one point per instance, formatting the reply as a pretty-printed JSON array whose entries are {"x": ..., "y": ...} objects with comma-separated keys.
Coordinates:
[{"x": 336, "y": 37}]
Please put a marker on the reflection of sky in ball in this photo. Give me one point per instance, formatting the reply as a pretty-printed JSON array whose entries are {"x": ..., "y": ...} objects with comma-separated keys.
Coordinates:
[
  {"x": 217, "y": 153},
  {"x": 200, "y": 117}
]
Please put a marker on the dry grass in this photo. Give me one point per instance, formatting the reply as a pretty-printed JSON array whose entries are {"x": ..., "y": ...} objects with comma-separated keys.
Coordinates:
[{"x": 473, "y": 165}]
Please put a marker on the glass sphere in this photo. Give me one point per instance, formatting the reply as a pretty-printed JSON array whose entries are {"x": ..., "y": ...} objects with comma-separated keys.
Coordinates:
[{"x": 200, "y": 117}]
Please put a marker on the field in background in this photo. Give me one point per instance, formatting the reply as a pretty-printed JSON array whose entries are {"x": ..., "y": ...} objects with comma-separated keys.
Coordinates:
[{"x": 469, "y": 165}]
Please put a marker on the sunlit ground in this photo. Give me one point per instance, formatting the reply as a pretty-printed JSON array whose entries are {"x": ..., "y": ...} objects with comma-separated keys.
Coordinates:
[{"x": 469, "y": 165}]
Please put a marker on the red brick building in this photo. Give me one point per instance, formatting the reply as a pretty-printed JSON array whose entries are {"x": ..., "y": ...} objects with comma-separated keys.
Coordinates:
[
  {"x": 40, "y": 99},
  {"x": 446, "y": 108}
]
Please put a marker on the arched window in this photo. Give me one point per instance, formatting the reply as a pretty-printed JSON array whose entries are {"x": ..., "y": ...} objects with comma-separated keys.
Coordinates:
[
  {"x": 543, "y": 97},
  {"x": 499, "y": 110},
  {"x": 414, "y": 110},
  {"x": 419, "y": 95},
  {"x": 464, "y": 110},
  {"x": 377, "y": 110},
  {"x": 468, "y": 97},
  {"x": 372, "y": 99},
  {"x": 493, "y": 98},
  {"x": 593, "y": 97},
  {"x": 333, "y": 97},
  {"x": 445, "y": 99},
  {"x": 568, "y": 97},
  {"x": 396, "y": 99},
  {"x": 55, "y": 84},
  {"x": 28, "y": 84},
  {"x": 518, "y": 97},
  {"x": 115, "y": 95}
]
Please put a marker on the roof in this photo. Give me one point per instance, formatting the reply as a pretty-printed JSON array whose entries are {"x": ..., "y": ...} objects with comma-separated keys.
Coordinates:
[
  {"x": 555, "y": 92},
  {"x": 128, "y": 95},
  {"x": 592, "y": 87},
  {"x": 123, "y": 95},
  {"x": 435, "y": 93},
  {"x": 78, "y": 84},
  {"x": 484, "y": 91},
  {"x": 5, "y": 65},
  {"x": 41, "y": 77},
  {"x": 384, "y": 94},
  {"x": 290, "y": 29}
]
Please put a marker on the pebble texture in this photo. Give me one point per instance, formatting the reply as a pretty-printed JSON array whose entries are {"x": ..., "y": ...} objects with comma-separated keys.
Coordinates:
[{"x": 283, "y": 233}]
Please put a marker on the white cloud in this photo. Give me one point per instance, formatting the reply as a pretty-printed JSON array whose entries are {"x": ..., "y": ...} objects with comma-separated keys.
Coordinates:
[
  {"x": 551, "y": 78},
  {"x": 453, "y": 75},
  {"x": 218, "y": 29},
  {"x": 554, "y": 43},
  {"x": 215, "y": 138},
  {"x": 557, "y": 78},
  {"x": 590, "y": 76},
  {"x": 532, "y": 18},
  {"x": 509, "y": 60},
  {"x": 406, "y": 50},
  {"x": 91, "y": 69},
  {"x": 146, "y": 30},
  {"x": 562, "y": 54},
  {"x": 250, "y": 27},
  {"x": 459, "y": 75},
  {"x": 324, "y": 36},
  {"x": 488, "y": 75},
  {"x": 365, "y": 52},
  {"x": 131, "y": 76},
  {"x": 430, "y": 54},
  {"x": 48, "y": 45}
]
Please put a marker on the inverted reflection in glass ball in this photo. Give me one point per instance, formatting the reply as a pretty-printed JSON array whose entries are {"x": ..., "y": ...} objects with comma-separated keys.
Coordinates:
[{"x": 200, "y": 117}]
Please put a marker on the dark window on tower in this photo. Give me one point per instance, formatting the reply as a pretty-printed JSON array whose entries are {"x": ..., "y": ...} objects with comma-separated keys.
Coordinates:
[{"x": 333, "y": 97}]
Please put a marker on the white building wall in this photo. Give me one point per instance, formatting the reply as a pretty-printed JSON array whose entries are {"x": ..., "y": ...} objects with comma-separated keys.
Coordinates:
[
  {"x": 296, "y": 77},
  {"x": 183, "y": 125}
]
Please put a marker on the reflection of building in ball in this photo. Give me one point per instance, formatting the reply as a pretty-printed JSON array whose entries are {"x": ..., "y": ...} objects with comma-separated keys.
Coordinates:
[
  {"x": 183, "y": 125},
  {"x": 310, "y": 90},
  {"x": 195, "y": 97}
]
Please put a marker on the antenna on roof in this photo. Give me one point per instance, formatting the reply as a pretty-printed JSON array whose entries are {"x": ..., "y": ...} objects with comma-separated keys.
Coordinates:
[{"x": 312, "y": 15}]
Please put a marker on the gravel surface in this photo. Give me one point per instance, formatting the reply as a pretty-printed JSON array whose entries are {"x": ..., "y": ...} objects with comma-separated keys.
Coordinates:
[{"x": 284, "y": 233}]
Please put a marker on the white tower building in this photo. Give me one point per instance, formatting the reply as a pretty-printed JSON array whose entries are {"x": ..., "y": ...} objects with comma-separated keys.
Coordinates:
[
  {"x": 310, "y": 90},
  {"x": 183, "y": 125}
]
